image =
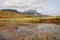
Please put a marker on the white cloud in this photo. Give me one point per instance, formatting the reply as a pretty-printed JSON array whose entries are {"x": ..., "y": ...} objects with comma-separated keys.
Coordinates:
[{"x": 43, "y": 6}]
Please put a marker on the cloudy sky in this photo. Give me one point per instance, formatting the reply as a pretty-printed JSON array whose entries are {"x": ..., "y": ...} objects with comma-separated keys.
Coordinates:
[{"x": 50, "y": 7}]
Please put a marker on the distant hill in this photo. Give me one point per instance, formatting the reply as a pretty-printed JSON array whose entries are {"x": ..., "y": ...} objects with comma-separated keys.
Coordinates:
[
  {"x": 34, "y": 13},
  {"x": 29, "y": 12},
  {"x": 11, "y": 10}
]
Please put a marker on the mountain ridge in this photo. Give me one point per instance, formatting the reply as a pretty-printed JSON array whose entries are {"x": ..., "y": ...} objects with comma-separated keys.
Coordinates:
[{"x": 29, "y": 12}]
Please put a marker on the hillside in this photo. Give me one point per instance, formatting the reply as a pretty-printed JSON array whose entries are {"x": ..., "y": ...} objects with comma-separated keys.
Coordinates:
[{"x": 8, "y": 14}]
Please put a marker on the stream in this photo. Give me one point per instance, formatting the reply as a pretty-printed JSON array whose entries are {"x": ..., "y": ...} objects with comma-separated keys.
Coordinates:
[{"x": 43, "y": 31}]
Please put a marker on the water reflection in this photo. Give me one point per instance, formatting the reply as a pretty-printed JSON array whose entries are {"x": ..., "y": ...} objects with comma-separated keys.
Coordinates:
[{"x": 43, "y": 31}]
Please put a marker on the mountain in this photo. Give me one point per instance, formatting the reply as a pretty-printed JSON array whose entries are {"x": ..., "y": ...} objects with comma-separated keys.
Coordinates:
[
  {"x": 11, "y": 10},
  {"x": 33, "y": 13},
  {"x": 29, "y": 12}
]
